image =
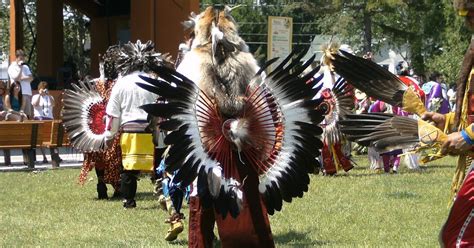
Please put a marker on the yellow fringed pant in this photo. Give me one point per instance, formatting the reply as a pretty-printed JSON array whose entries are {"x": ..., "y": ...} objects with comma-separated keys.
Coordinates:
[{"x": 137, "y": 151}]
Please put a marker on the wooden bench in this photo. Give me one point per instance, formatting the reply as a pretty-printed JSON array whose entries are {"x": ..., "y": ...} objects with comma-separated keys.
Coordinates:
[
  {"x": 21, "y": 135},
  {"x": 53, "y": 136}
]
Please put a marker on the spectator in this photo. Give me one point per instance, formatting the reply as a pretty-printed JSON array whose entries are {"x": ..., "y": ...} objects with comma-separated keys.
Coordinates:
[
  {"x": 3, "y": 113},
  {"x": 43, "y": 103},
  {"x": 452, "y": 98},
  {"x": 19, "y": 71},
  {"x": 434, "y": 79},
  {"x": 436, "y": 94},
  {"x": 15, "y": 103},
  {"x": 3, "y": 93}
]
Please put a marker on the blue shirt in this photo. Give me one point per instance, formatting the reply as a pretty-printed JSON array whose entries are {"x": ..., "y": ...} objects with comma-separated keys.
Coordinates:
[{"x": 15, "y": 104}]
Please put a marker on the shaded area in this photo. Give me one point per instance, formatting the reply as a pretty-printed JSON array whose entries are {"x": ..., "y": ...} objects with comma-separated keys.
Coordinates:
[
  {"x": 403, "y": 195},
  {"x": 298, "y": 239}
]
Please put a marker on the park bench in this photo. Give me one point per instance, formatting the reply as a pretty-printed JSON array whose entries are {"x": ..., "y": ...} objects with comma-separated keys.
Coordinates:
[
  {"x": 30, "y": 135},
  {"x": 53, "y": 136},
  {"x": 20, "y": 135}
]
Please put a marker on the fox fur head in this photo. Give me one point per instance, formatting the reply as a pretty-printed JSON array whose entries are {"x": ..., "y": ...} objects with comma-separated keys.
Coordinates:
[
  {"x": 226, "y": 66},
  {"x": 216, "y": 27}
]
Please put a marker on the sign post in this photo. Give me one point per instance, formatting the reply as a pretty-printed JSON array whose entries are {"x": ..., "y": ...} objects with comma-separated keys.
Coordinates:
[{"x": 280, "y": 33}]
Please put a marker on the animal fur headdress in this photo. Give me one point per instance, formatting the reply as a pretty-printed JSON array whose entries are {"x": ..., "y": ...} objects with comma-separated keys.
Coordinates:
[{"x": 216, "y": 27}]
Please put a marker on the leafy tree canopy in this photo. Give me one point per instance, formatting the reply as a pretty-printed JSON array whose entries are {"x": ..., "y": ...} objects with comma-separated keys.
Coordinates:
[{"x": 435, "y": 36}]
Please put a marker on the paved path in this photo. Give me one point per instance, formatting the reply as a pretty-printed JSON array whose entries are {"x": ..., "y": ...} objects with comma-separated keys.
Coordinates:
[{"x": 71, "y": 159}]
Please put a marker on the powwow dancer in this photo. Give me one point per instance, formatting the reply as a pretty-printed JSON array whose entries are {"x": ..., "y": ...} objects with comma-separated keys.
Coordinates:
[
  {"x": 411, "y": 159},
  {"x": 124, "y": 113},
  {"x": 394, "y": 132},
  {"x": 333, "y": 155},
  {"x": 436, "y": 99},
  {"x": 172, "y": 199},
  {"x": 390, "y": 160},
  {"x": 108, "y": 163},
  {"x": 249, "y": 140},
  {"x": 84, "y": 123},
  {"x": 171, "y": 195},
  {"x": 459, "y": 227}
]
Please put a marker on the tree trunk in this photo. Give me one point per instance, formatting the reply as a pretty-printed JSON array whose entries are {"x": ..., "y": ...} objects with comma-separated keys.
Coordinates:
[
  {"x": 367, "y": 32},
  {"x": 417, "y": 58}
]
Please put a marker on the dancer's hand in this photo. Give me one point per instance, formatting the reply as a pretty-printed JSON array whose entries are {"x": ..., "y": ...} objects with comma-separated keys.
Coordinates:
[
  {"x": 455, "y": 145},
  {"x": 437, "y": 118}
]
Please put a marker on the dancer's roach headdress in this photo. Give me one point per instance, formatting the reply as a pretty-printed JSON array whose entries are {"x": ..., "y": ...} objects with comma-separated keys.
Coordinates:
[{"x": 139, "y": 57}]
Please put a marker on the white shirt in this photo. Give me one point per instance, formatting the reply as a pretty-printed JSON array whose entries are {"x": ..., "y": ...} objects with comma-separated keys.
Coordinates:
[
  {"x": 14, "y": 71},
  {"x": 451, "y": 95},
  {"x": 190, "y": 66},
  {"x": 127, "y": 97},
  {"x": 45, "y": 106}
]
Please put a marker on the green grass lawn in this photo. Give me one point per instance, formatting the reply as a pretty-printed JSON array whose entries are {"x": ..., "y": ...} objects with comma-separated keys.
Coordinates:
[{"x": 362, "y": 208}]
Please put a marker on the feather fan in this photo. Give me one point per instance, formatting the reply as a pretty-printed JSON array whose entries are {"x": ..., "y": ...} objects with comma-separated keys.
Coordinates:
[
  {"x": 276, "y": 135},
  {"x": 83, "y": 116},
  {"x": 377, "y": 82},
  {"x": 386, "y": 132},
  {"x": 338, "y": 102}
]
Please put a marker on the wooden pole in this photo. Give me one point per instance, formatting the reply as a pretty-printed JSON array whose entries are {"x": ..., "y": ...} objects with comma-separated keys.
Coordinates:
[{"x": 16, "y": 27}]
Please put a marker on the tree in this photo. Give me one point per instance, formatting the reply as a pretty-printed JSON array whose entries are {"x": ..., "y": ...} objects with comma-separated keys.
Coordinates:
[
  {"x": 4, "y": 26},
  {"x": 76, "y": 34},
  {"x": 454, "y": 42},
  {"x": 29, "y": 32},
  {"x": 29, "y": 28},
  {"x": 426, "y": 27}
]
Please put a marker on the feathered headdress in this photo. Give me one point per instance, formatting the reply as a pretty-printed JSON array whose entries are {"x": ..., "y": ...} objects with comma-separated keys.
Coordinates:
[
  {"x": 329, "y": 49},
  {"x": 139, "y": 57}
]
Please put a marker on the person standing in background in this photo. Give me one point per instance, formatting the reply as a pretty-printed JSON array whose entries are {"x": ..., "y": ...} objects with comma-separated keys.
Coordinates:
[
  {"x": 452, "y": 98},
  {"x": 3, "y": 114},
  {"x": 3, "y": 93},
  {"x": 19, "y": 71},
  {"x": 436, "y": 94}
]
